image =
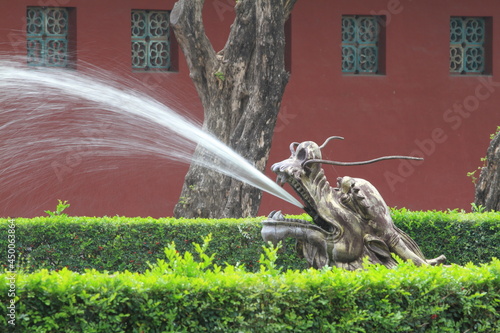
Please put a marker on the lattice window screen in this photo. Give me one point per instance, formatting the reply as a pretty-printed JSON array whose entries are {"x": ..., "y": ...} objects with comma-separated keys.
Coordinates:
[
  {"x": 360, "y": 44},
  {"x": 47, "y": 36},
  {"x": 150, "y": 40},
  {"x": 467, "y": 45}
]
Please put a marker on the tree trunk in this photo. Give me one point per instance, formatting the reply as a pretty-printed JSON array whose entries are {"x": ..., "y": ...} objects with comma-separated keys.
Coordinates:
[
  {"x": 488, "y": 185},
  {"x": 241, "y": 89}
]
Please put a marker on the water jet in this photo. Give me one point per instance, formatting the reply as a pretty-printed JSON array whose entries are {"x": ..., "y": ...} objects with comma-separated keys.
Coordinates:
[{"x": 127, "y": 123}]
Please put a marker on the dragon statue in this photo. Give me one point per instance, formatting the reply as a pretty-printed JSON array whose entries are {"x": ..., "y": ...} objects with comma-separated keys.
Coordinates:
[{"x": 351, "y": 222}]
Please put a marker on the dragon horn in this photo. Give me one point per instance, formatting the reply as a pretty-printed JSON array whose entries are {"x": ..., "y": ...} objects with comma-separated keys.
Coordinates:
[
  {"x": 293, "y": 145},
  {"x": 362, "y": 162},
  {"x": 330, "y": 138}
]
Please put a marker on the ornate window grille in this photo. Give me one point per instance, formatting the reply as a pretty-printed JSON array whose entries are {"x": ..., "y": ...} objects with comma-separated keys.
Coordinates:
[
  {"x": 360, "y": 44},
  {"x": 47, "y": 36},
  {"x": 150, "y": 40},
  {"x": 467, "y": 45}
]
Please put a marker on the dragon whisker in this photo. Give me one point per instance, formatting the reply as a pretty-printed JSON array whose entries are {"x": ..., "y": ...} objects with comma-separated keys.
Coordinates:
[{"x": 383, "y": 158}]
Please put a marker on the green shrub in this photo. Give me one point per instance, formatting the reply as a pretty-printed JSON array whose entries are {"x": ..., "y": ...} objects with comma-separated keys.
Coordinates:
[
  {"x": 184, "y": 294},
  {"x": 119, "y": 243},
  {"x": 122, "y": 243},
  {"x": 462, "y": 237}
]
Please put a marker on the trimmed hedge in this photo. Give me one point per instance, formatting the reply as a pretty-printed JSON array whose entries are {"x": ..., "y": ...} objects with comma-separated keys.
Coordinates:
[
  {"x": 187, "y": 295},
  {"x": 121, "y": 243},
  {"x": 462, "y": 237}
]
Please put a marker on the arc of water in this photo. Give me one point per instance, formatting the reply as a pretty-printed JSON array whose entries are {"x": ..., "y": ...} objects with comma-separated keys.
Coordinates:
[{"x": 18, "y": 81}]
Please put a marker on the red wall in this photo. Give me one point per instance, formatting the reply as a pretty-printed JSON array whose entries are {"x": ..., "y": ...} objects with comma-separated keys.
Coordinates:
[{"x": 411, "y": 109}]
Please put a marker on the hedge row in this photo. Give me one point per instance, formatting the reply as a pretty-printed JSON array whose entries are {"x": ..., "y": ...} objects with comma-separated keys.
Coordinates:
[
  {"x": 181, "y": 294},
  {"x": 121, "y": 243},
  {"x": 462, "y": 237}
]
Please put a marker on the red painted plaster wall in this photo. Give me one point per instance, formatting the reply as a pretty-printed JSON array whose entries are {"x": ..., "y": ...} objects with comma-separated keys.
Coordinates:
[
  {"x": 409, "y": 110},
  {"x": 416, "y": 107}
]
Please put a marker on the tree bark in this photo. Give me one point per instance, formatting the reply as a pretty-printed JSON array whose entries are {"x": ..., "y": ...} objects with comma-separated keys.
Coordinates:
[
  {"x": 488, "y": 185},
  {"x": 240, "y": 89}
]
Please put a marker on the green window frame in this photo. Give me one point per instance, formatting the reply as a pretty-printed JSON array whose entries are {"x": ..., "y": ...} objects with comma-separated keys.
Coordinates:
[
  {"x": 468, "y": 51},
  {"x": 361, "y": 44},
  {"x": 47, "y": 30},
  {"x": 150, "y": 31}
]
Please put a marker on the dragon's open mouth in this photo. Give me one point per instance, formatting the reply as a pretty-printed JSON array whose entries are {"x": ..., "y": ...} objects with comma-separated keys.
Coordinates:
[
  {"x": 298, "y": 188},
  {"x": 310, "y": 206}
]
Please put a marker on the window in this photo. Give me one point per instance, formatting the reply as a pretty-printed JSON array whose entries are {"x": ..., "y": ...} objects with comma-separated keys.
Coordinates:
[
  {"x": 468, "y": 51},
  {"x": 47, "y": 30},
  {"x": 361, "y": 41},
  {"x": 150, "y": 40}
]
